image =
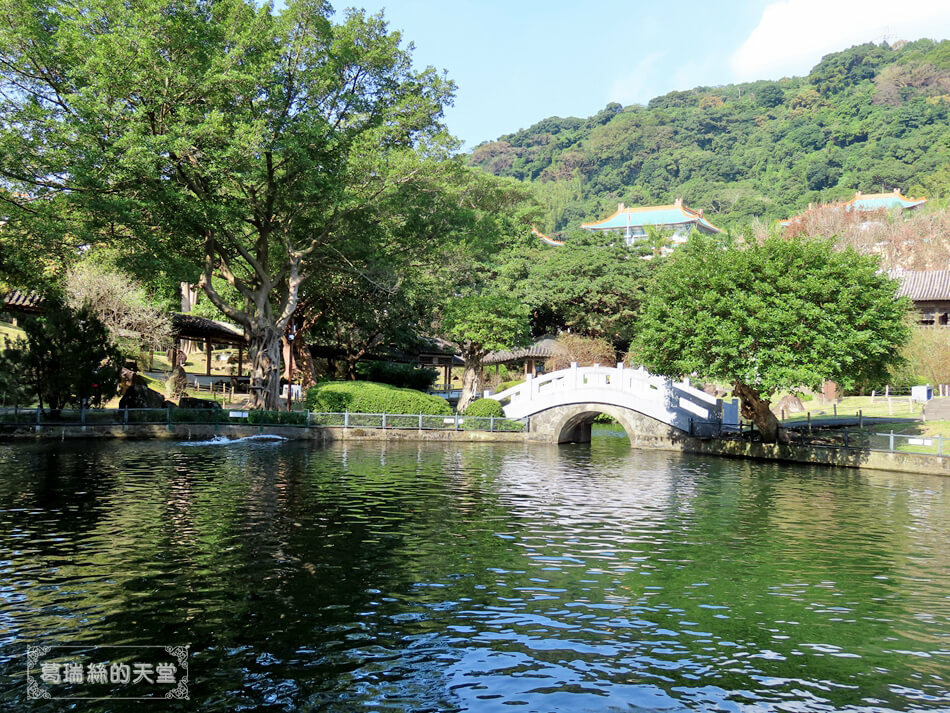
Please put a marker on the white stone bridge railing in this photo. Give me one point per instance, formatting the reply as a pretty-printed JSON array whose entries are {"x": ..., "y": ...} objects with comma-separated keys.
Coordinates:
[{"x": 676, "y": 404}]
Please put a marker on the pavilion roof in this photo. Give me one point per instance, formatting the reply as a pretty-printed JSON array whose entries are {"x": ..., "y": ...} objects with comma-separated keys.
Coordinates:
[
  {"x": 923, "y": 285},
  {"x": 879, "y": 201},
  {"x": 435, "y": 346},
  {"x": 545, "y": 239},
  {"x": 424, "y": 347},
  {"x": 185, "y": 326},
  {"x": 674, "y": 214},
  {"x": 190, "y": 326},
  {"x": 544, "y": 348},
  {"x": 19, "y": 301}
]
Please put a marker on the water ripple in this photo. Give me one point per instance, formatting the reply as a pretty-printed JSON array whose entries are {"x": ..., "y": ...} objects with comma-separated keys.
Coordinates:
[{"x": 483, "y": 577}]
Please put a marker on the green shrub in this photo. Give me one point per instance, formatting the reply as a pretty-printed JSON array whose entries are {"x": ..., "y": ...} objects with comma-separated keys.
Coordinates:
[
  {"x": 194, "y": 415},
  {"x": 505, "y": 385},
  {"x": 484, "y": 407},
  {"x": 370, "y": 397},
  {"x": 277, "y": 418},
  {"x": 404, "y": 376},
  {"x": 604, "y": 418}
]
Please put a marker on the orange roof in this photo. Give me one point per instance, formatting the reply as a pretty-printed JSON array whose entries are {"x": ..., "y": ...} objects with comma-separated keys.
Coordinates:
[{"x": 545, "y": 238}]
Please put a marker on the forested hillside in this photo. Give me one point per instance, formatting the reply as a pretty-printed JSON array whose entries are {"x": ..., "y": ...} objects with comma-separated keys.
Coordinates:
[{"x": 870, "y": 118}]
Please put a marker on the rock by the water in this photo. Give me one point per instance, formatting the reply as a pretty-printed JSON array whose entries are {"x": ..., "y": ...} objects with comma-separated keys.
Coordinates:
[
  {"x": 192, "y": 402},
  {"x": 790, "y": 403},
  {"x": 715, "y": 391},
  {"x": 138, "y": 395},
  {"x": 176, "y": 383}
]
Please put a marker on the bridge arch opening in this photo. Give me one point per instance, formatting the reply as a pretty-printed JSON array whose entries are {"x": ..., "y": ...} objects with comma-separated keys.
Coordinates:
[{"x": 578, "y": 427}]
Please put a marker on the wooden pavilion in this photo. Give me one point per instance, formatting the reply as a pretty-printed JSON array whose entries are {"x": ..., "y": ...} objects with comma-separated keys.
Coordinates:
[
  {"x": 19, "y": 302},
  {"x": 533, "y": 356},
  {"x": 209, "y": 332}
]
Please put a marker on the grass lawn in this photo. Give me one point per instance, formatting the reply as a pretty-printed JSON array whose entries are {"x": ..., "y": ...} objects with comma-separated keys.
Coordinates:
[
  {"x": 222, "y": 363},
  {"x": 877, "y": 406},
  {"x": 7, "y": 330},
  {"x": 920, "y": 437}
]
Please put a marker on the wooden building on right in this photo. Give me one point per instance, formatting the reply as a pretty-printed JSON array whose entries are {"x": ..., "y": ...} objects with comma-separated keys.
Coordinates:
[{"x": 930, "y": 292}]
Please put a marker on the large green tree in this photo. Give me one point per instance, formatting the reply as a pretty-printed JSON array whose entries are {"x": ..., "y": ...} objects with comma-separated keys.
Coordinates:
[
  {"x": 215, "y": 135},
  {"x": 479, "y": 324},
  {"x": 403, "y": 259},
  {"x": 592, "y": 286},
  {"x": 785, "y": 314}
]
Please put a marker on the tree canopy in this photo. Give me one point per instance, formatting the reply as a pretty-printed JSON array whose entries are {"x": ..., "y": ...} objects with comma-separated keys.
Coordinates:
[
  {"x": 66, "y": 358},
  {"x": 783, "y": 314},
  {"x": 219, "y": 138},
  {"x": 593, "y": 286},
  {"x": 479, "y": 324}
]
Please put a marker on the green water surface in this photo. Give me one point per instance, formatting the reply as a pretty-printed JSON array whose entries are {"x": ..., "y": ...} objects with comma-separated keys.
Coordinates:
[{"x": 477, "y": 577}]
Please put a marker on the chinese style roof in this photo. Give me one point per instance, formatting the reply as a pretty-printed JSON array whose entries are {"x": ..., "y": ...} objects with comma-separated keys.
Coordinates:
[
  {"x": 869, "y": 202},
  {"x": 923, "y": 285},
  {"x": 544, "y": 238},
  {"x": 425, "y": 348},
  {"x": 190, "y": 326},
  {"x": 661, "y": 215},
  {"x": 18, "y": 301},
  {"x": 885, "y": 201},
  {"x": 544, "y": 348}
]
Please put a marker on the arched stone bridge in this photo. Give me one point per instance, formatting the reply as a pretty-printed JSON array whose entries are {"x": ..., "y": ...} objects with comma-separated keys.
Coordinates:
[{"x": 653, "y": 410}]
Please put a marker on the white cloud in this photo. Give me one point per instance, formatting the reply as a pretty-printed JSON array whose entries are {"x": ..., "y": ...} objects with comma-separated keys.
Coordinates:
[
  {"x": 793, "y": 35},
  {"x": 636, "y": 86}
]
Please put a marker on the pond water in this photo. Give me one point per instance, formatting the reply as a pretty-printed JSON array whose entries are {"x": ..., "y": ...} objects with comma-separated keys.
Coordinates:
[{"x": 477, "y": 577}]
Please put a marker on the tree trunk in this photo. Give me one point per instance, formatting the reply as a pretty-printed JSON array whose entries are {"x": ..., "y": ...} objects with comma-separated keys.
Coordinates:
[
  {"x": 261, "y": 328},
  {"x": 471, "y": 382},
  {"x": 189, "y": 298},
  {"x": 757, "y": 409},
  {"x": 264, "y": 353},
  {"x": 303, "y": 360}
]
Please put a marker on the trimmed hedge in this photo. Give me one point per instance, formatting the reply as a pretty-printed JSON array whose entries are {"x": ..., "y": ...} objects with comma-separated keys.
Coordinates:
[
  {"x": 371, "y": 397},
  {"x": 192, "y": 415},
  {"x": 475, "y": 423},
  {"x": 405, "y": 376},
  {"x": 484, "y": 408}
]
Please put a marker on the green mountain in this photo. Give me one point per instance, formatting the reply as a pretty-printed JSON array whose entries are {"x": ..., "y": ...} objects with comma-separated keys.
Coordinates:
[{"x": 871, "y": 118}]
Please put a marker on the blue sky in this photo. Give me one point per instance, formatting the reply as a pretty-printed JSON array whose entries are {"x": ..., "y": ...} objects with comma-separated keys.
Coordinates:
[{"x": 518, "y": 61}]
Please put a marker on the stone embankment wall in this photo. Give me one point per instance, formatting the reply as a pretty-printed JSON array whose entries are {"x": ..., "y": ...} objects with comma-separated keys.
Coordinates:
[{"x": 839, "y": 457}]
